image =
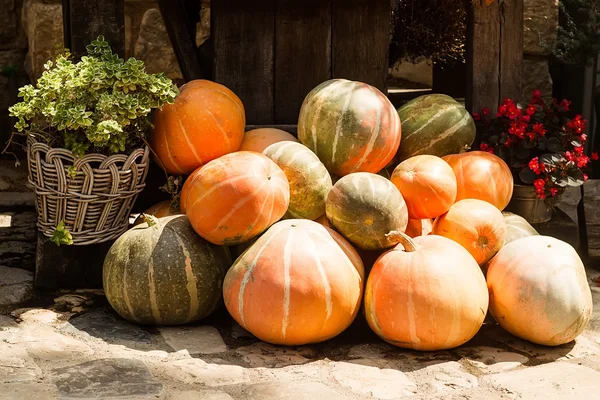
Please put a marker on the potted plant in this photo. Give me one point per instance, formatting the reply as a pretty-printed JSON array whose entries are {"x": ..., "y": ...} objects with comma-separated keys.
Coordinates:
[
  {"x": 544, "y": 148},
  {"x": 87, "y": 155}
]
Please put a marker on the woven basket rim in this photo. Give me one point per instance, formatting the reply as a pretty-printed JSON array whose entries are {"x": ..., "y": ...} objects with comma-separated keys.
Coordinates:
[{"x": 32, "y": 138}]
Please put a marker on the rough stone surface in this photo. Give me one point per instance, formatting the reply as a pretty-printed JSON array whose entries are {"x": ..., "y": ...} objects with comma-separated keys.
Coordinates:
[
  {"x": 18, "y": 235},
  {"x": 265, "y": 355},
  {"x": 540, "y": 18},
  {"x": 191, "y": 371},
  {"x": 11, "y": 33},
  {"x": 195, "y": 339},
  {"x": 556, "y": 381},
  {"x": 372, "y": 381},
  {"x": 16, "y": 285},
  {"x": 12, "y": 178},
  {"x": 491, "y": 359},
  {"x": 107, "y": 325},
  {"x": 37, "y": 391},
  {"x": 536, "y": 75},
  {"x": 203, "y": 27},
  {"x": 441, "y": 376},
  {"x": 117, "y": 377},
  {"x": 591, "y": 204},
  {"x": 154, "y": 48},
  {"x": 16, "y": 365},
  {"x": 198, "y": 395},
  {"x": 291, "y": 391},
  {"x": 419, "y": 74}
]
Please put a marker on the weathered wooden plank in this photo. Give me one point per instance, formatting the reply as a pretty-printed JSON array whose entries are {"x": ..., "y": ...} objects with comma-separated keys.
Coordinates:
[
  {"x": 243, "y": 34},
  {"x": 591, "y": 204},
  {"x": 360, "y": 41},
  {"x": 302, "y": 53},
  {"x": 511, "y": 49},
  {"x": 483, "y": 56},
  {"x": 182, "y": 38},
  {"x": 85, "y": 20}
]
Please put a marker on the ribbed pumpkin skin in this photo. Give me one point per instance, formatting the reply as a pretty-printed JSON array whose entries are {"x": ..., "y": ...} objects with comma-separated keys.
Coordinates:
[
  {"x": 419, "y": 227},
  {"x": 159, "y": 210},
  {"x": 476, "y": 225},
  {"x": 517, "y": 227},
  {"x": 351, "y": 126},
  {"x": 309, "y": 180},
  {"x": 236, "y": 197},
  {"x": 539, "y": 290},
  {"x": 206, "y": 121},
  {"x": 434, "y": 124},
  {"x": 259, "y": 139},
  {"x": 185, "y": 190},
  {"x": 434, "y": 298},
  {"x": 323, "y": 220},
  {"x": 164, "y": 274},
  {"x": 481, "y": 175},
  {"x": 299, "y": 283},
  {"x": 364, "y": 208},
  {"x": 427, "y": 184}
]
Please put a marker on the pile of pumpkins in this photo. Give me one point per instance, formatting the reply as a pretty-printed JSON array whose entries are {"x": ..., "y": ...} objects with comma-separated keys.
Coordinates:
[{"x": 369, "y": 208}]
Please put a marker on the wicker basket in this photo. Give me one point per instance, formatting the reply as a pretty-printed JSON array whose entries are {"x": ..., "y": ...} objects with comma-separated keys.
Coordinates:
[{"x": 95, "y": 204}]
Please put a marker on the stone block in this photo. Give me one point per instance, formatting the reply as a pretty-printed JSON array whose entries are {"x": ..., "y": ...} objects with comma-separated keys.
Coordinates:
[
  {"x": 561, "y": 227},
  {"x": 11, "y": 34},
  {"x": 540, "y": 19},
  {"x": 591, "y": 205},
  {"x": 203, "y": 26},
  {"x": 536, "y": 75},
  {"x": 194, "y": 339},
  {"x": 18, "y": 233},
  {"x": 16, "y": 286}
]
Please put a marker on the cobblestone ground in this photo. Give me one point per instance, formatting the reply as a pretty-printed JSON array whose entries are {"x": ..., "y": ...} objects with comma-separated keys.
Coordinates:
[{"x": 73, "y": 346}]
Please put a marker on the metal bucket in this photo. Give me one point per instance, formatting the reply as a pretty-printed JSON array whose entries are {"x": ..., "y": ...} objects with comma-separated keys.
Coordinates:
[{"x": 525, "y": 203}]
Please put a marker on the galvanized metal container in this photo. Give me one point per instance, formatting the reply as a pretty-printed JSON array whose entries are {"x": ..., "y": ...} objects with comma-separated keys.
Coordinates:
[{"x": 525, "y": 203}]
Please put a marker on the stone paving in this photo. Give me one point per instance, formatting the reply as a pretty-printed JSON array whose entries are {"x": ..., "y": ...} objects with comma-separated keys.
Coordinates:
[{"x": 71, "y": 345}]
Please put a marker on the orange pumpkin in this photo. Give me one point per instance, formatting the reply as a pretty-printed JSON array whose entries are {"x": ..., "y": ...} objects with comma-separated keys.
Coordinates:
[
  {"x": 291, "y": 294},
  {"x": 189, "y": 182},
  {"x": 426, "y": 293},
  {"x": 159, "y": 210},
  {"x": 427, "y": 184},
  {"x": 476, "y": 225},
  {"x": 323, "y": 220},
  {"x": 206, "y": 121},
  {"x": 236, "y": 197},
  {"x": 259, "y": 139},
  {"x": 482, "y": 175},
  {"x": 539, "y": 290},
  {"x": 419, "y": 227}
]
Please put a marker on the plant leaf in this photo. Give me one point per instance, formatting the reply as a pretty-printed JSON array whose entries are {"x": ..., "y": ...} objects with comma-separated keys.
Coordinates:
[{"x": 527, "y": 176}]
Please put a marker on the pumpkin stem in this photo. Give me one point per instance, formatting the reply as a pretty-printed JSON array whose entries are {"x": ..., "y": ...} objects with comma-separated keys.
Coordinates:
[{"x": 402, "y": 238}]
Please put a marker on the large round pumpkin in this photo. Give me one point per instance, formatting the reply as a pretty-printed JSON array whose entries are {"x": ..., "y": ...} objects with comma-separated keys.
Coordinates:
[
  {"x": 236, "y": 197},
  {"x": 299, "y": 283},
  {"x": 162, "y": 209},
  {"x": 206, "y": 121},
  {"x": 419, "y": 227},
  {"x": 365, "y": 208},
  {"x": 539, "y": 290},
  {"x": 482, "y": 175},
  {"x": 351, "y": 126},
  {"x": 476, "y": 225},
  {"x": 309, "y": 180},
  {"x": 164, "y": 273},
  {"x": 259, "y": 139},
  {"x": 517, "y": 227},
  {"x": 427, "y": 184},
  {"x": 426, "y": 293}
]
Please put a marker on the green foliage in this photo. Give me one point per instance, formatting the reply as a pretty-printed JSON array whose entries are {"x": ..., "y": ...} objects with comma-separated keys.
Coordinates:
[
  {"x": 99, "y": 104},
  {"x": 62, "y": 235},
  {"x": 435, "y": 29}
]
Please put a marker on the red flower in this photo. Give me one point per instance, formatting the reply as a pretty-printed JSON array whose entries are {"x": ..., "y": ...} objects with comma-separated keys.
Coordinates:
[
  {"x": 486, "y": 147},
  {"x": 509, "y": 142},
  {"x": 485, "y": 111},
  {"x": 583, "y": 137},
  {"x": 569, "y": 156},
  {"x": 585, "y": 177},
  {"x": 517, "y": 129},
  {"x": 530, "y": 109},
  {"x": 539, "y": 129},
  {"x": 539, "y": 184},
  {"x": 553, "y": 191},
  {"x": 594, "y": 156},
  {"x": 476, "y": 116},
  {"x": 579, "y": 149},
  {"x": 565, "y": 104},
  {"x": 582, "y": 161},
  {"x": 535, "y": 166},
  {"x": 525, "y": 118},
  {"x": 536, "y": 94}
]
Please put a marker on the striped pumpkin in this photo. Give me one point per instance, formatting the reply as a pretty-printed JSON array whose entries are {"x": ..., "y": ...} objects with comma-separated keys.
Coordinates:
[
  {"x": 206, "y": 121},
  {"x": 309, "y": 180},
  {"x": 164, "y": 274},
  {"x": 419, "y": 227},
  {"x": 517, "y": 227},
  {"x": 427, "y": 184},
  {"x": 426, "y": 294},
  {"x": 259, "y": 139},
  {"x": 236, "y": 197},
  {"x": 434, "y": 124},
  {"x": 351, "y": 126},
  {"x": 159, "y": 210},
  {"x": 365, "y": 208},
  {"x": 299, "y": 283},
  {"x": 482, "y": 175}
]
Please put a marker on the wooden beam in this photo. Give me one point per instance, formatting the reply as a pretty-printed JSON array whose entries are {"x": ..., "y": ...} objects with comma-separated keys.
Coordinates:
[
  {"x": 85, "y": 20},
  {"x": 511, "y": 49}
]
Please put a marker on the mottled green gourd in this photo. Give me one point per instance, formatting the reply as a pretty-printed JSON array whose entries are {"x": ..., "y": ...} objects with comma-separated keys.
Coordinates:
[
  {"x": 365, "y": 208},
  {"x": 164, "y": 274},
  {"x": 517, "y": 227},
  {"x": 309, "y": 180},
  {"x": 434, "y": 124}
]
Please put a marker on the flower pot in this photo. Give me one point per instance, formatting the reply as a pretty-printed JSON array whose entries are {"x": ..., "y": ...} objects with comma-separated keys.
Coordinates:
[
  {"x": 93, "y": 195},
  {"x": 525, "y": 203}
]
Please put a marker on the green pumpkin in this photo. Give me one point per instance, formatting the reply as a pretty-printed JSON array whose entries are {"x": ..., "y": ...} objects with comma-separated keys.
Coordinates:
[
  {"x": 517, "y": 227},
  {"x": 164, "y": 273}
]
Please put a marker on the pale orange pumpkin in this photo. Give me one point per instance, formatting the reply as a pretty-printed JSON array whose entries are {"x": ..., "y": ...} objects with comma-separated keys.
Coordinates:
[
  {"x": 427, "y": 184},
  {"x": 259, "y": 139},
  {"x": 426, "y": 293},
  {"x": 539, "y": 290},
  {"x": 482, "y": 175},
  {"x": 419, "y": 227},
  {"x": 159, "y": 210},
  {"x": 291, "y": 294},
  {"x": 476, "y": 225},
  {"x": 206, "y": 122},
  {"x": 236, "y": 197}
]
